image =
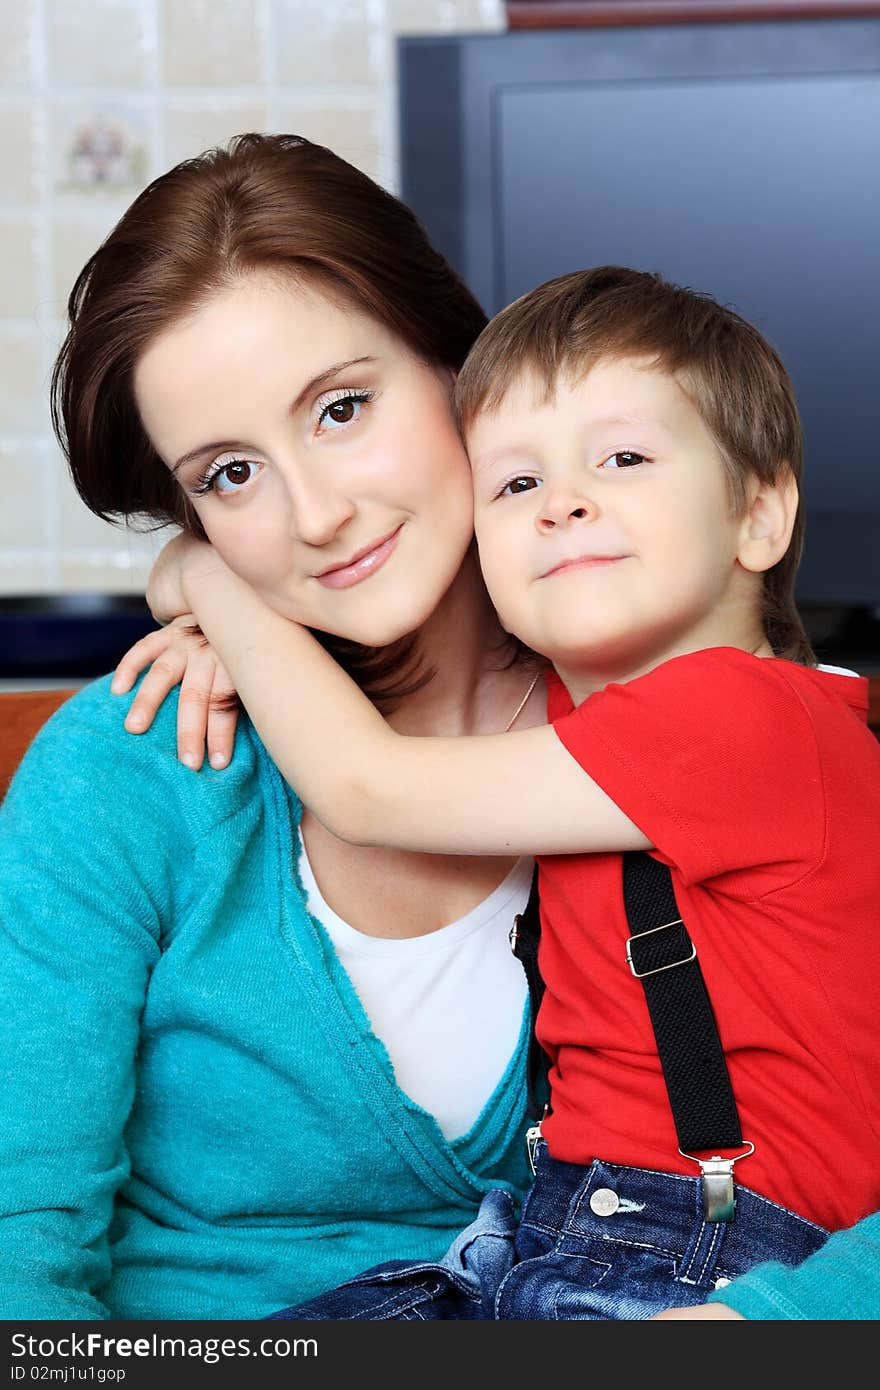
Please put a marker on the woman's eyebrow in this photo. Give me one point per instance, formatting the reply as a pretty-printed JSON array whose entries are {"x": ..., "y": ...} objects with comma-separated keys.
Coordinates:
[
  {"x": 329, "y": 372},
  {"x": 309, "y": 389},
  {"x": 221, "y": 446}
]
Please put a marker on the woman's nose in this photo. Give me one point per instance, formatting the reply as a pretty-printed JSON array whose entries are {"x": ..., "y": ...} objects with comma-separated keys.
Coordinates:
[
  {"x": 316, "y": 513},
  {"x": 562, "y": 505}
]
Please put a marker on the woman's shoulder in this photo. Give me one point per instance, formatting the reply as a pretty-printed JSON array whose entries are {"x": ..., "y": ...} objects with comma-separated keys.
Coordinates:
[
  {"x": 94, "y": 708},
  {"x": 84, "y": 749}
]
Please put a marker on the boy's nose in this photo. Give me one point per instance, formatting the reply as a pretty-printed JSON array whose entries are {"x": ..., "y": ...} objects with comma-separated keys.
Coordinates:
[{"x": 559, "y": 507}]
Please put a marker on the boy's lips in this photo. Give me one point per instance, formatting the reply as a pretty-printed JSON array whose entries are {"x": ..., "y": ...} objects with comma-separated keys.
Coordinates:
[
  {"x": 582, "y": 562},
  {"x": 361, "y": 565}
]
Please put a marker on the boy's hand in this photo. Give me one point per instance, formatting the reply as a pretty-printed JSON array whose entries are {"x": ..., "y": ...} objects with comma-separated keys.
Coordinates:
[
  {"x": 208, "y": 709},
  {"x": 700, "y": 1311},
  {"x": 177, "y": 559}
]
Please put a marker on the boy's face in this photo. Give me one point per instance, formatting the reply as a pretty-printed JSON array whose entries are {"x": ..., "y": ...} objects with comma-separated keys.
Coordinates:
[{"x": 604, "y": 523}]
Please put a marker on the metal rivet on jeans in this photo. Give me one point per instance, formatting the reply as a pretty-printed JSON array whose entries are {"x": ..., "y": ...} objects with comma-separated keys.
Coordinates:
[{"x": 604, "y": 1202}]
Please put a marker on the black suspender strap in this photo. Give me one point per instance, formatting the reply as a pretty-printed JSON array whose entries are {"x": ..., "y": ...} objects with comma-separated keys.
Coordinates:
[
  {"x": 663, "y": 958},
  {"x": 524, "y": 937}
]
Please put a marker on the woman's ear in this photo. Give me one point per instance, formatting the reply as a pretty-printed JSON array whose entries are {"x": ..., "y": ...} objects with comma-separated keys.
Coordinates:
[{"x": 767, "y": 524}]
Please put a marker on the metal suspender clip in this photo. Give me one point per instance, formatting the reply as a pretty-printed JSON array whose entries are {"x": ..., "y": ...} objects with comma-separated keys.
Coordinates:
[
  {"x": 718, "y": 1199},
  {"x": 533, "y": 1134},
  {"x": 514, "y": 934}
]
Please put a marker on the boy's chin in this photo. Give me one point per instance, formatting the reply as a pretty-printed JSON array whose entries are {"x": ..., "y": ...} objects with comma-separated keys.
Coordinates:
[{"x": 599, "y": 660}]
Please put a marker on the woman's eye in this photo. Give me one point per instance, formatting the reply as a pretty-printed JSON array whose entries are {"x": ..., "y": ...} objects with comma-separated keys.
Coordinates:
[
  {"x": 343, "y": 409},
  {"x": 233, "y": 475},
  {"x": 341, "y": 412},
  {"x": 624, "y": 458},
  {"x": 226, "y": 477},
  {"x": 516, "y": 485}
]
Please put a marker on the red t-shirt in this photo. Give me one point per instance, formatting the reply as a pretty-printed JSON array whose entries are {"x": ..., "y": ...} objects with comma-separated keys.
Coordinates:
[{"x": 758, "y": 782}]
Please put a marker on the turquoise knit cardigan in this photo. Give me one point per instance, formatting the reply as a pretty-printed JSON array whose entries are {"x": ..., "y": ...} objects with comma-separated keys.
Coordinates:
[
  {"x": 840, "y": 1282},
  {"x": 196, "y": 1119}
]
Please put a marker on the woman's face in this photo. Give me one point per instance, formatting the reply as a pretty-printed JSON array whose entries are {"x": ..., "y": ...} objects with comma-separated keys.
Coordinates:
[{"x": 320, "y": 455}]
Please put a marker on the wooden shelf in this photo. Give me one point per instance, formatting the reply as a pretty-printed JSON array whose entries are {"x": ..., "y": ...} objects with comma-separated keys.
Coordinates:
[{"x": 581, "y": 14}]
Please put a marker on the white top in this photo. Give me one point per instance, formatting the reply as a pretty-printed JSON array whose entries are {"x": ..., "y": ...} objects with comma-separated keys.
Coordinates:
[
  {"x": 448, "y": 1006},
  {"x": 837, "y": 670}
]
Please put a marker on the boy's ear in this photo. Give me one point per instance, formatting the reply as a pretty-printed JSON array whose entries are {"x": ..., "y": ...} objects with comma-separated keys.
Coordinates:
[{"x": 766, "y": 528}]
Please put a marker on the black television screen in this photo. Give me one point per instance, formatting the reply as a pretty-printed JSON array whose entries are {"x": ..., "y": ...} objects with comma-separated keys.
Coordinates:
[{"x": 742, "y": 159}]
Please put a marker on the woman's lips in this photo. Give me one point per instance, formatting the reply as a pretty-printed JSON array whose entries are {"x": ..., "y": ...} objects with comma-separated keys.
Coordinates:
[{"x": 365, "y": 564}]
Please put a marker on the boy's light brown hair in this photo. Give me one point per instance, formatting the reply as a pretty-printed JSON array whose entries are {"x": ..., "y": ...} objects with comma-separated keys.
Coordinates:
[{"x": 731, "y": 373}]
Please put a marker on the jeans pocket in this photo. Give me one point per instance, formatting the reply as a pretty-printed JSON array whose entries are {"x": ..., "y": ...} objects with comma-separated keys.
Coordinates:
[
  {"x": 596, "y": 1280},
  {"x": 550, "y": 1286}
]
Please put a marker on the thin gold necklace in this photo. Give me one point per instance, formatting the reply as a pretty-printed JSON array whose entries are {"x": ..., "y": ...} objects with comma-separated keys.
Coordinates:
[{"x": 522, "y": 704}]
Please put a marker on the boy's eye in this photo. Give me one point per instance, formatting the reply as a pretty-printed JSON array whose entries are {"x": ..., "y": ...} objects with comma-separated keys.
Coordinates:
[
  {"x": 342, "y": 408},
  {"x": 520, "y": 484},
  {"x": 624, "y": 458}
]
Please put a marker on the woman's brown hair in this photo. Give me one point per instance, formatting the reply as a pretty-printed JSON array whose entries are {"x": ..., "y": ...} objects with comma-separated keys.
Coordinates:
[{"x": 263, "y": 202}]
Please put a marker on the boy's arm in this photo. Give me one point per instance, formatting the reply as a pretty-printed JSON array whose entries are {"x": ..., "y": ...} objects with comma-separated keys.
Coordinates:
[{"x": 518, "y": 793}]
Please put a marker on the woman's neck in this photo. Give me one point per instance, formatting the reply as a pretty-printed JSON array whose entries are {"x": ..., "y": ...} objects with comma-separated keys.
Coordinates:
[{"x": 474, "y": 689}]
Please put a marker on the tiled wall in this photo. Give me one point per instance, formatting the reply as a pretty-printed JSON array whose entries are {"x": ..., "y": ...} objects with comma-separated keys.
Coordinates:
[{"x": 97, "y": 97}]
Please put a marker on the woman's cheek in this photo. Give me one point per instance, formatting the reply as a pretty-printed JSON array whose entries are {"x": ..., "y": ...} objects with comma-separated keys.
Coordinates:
[
  {"x": 462, "y": 510},
  {"x": 460, "y": 483},
  {"x": 258, "y": 559}
]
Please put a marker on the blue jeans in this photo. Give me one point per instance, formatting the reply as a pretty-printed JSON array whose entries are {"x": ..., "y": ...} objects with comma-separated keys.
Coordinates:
[{"x": 603, "y": 1241}]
